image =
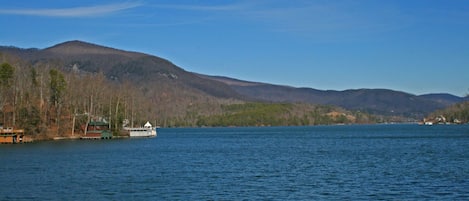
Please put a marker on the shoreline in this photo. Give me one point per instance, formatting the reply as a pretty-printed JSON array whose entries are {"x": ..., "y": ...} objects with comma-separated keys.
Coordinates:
[
  {"x": 29, "y": 139},
  {"x": 79, "y": 138}
]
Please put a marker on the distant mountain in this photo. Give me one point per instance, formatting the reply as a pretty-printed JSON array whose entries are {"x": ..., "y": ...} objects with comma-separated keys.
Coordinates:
[
  {"x": 162, "y": 76},
  {"x": 143, "y": 69},
  {"x": 444, "y": 98},
  {"x": 375, "y": 101}
]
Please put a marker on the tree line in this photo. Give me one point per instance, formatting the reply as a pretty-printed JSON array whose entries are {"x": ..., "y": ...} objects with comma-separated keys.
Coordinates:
[
  {"x": 282, "y": 114},
  {"x": 457, "y": 113}
]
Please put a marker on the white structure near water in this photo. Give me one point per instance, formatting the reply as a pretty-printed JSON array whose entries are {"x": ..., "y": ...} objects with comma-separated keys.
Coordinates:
[{"x": 146, "y": 131}]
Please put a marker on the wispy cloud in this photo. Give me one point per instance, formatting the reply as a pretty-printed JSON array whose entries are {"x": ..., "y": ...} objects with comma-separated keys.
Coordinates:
[
  {"x": 85, "y": 11},
  {"x": 330, "y": 18},
  {"x": 321, "y": 18},
  {"x": 228, "y": 7}
]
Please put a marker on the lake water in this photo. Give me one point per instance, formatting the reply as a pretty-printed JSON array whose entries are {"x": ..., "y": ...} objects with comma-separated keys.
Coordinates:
[{"x": 398, "y": 162}]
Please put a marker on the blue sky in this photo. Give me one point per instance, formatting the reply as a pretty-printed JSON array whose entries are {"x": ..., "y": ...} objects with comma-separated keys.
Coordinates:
[{"x": 416, "y": 46}]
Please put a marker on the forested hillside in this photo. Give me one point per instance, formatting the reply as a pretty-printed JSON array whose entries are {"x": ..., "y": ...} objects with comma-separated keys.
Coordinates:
[
  {"x": 47, "y": 102},
  {"x": 44, "y": 98},
  {"x": 55, "y": 91},
  {"x": 77, "y": 80}
]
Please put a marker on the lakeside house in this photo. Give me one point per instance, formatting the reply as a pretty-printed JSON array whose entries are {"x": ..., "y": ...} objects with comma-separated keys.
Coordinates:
[
  {"x": 440, "y": 120},
  {"x": 11, "y": 136}
]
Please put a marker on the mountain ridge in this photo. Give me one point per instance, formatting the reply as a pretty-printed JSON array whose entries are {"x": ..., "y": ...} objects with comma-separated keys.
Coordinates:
[
  {"x": 149, "y": 70},
  {"x": 240, "y": 82},
  {"x": 377, "y": 101}
]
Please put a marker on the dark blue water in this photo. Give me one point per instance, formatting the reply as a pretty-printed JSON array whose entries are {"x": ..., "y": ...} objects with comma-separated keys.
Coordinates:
[{"x": 398, "y": 162}]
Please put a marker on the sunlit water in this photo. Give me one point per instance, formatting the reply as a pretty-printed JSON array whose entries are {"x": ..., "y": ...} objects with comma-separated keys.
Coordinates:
[{"x": 398, "y": 162}]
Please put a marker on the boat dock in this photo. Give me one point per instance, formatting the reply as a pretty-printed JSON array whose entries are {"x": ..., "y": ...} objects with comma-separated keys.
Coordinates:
[{"x": 11, "y": 136}]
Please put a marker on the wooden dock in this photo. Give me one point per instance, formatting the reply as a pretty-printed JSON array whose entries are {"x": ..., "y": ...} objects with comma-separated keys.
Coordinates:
[{"x": 11, "y": 136}]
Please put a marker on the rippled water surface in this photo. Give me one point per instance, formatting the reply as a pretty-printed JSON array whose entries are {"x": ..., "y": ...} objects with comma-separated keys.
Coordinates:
[{"x": 398, "y": 162}]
